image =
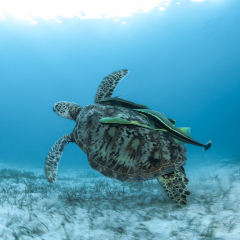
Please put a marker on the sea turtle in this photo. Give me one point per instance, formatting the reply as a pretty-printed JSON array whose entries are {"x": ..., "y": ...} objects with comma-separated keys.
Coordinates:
[{"x": 128, "y": 150}]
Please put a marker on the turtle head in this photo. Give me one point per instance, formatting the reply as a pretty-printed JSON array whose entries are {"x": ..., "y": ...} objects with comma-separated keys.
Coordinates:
[{"x": 67, "y": 110}]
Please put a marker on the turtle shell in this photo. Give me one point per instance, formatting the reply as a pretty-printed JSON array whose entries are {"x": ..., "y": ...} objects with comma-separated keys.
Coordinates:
[{"x": 125, "y": 152}]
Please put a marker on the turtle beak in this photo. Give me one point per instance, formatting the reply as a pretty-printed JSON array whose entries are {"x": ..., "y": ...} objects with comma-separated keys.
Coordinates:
[{"x": 54, "y": 108}]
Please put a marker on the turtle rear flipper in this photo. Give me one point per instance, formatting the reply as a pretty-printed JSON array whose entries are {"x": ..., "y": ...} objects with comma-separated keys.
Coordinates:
[
  {"x": 54, "y": 156},
  {"x": 108, "y": 84},
  {"x": 175, "y": 185}
]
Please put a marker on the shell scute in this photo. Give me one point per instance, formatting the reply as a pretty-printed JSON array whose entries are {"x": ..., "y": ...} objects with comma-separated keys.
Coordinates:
[{"x": 126, "y": 152}]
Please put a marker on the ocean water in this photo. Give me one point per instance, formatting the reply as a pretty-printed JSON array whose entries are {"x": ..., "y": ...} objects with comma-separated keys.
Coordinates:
[{"x": 183, "y": 58}]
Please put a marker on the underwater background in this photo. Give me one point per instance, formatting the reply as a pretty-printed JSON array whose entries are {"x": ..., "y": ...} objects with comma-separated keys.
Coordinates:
[{"x": 183, "y": 62}]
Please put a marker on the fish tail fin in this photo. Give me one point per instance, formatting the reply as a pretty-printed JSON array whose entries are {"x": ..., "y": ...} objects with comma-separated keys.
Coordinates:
[{"x": 208, "y": 145}]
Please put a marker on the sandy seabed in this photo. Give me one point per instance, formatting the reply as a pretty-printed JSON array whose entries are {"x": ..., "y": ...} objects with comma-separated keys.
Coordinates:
[{"x": 85, "y": 205}]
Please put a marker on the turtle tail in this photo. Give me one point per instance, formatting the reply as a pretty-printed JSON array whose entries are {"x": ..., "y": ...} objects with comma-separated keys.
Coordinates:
[{"x": 208, "y": 145}]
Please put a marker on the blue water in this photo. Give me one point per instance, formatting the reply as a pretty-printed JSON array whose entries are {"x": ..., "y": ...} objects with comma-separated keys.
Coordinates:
[{"x": 183, "y": 62}]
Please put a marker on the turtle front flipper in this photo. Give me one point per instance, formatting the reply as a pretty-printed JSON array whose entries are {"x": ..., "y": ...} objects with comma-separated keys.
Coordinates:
[
  {"x": 175, "y": 185},
  {"x": 108, "y": 84},
  {"x": 54, "y": 156}
]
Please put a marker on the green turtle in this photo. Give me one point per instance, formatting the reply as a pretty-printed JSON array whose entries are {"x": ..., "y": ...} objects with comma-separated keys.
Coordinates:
[{"x": 130, "y": 150}]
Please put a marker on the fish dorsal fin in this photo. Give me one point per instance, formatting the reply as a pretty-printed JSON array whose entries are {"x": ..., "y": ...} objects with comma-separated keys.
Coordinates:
[
  {"x": 173, "y": 121},
  {"x": 185, "y": 130}
]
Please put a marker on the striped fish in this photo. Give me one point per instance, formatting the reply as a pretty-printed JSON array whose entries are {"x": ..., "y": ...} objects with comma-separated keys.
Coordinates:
[
  {"x": 180, "y": 135},
  {"x": 119, "y": 120}
]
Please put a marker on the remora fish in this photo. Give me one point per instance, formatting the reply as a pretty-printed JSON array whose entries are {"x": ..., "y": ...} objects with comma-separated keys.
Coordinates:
[
  {"x": 180, "y": 135},
  {"x": 119, "y": 120},
  {"x": 119, "y": 102}
]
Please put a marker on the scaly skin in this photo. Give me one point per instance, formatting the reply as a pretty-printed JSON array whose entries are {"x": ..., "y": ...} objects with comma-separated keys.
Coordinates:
[
  {"x": 108, "y": 84},
  {"x": 54, "y": 156},
  {"x": 175, "y": 185}
]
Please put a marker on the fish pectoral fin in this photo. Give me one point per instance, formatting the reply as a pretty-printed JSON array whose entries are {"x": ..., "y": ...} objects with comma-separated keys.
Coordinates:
[
  {"x": 185, "y": 130},
  {"x": 118, "y": 104},
  {"x": 151, "y": 123},
  {"x": 178, "y": 141}
]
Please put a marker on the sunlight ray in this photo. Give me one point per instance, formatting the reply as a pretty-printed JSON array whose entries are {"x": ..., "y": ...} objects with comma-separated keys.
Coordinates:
[{"x": 51, "y": 9}]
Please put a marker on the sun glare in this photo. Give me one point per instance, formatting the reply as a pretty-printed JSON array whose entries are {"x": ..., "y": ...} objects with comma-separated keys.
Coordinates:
[{"x": 84, "y": 9}]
